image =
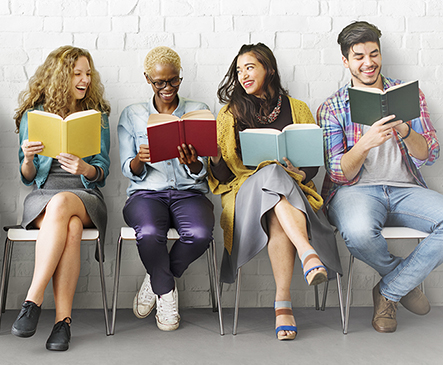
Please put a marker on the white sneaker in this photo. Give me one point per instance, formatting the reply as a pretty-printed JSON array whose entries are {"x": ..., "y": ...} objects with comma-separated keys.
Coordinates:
[
  {"x": 167, "y": 311},
  {"x": 144, "y": 300}
]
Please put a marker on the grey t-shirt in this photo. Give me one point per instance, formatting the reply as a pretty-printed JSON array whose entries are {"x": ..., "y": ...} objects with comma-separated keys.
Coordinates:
[{"x": 384, "y": 166}]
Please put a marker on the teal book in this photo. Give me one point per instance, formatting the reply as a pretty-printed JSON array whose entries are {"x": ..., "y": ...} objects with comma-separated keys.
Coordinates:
[
  {"x": 302, "y": 144},
  {"x": 369, "y": 105}
]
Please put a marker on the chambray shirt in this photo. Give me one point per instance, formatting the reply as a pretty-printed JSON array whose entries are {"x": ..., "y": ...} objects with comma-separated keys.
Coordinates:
[
  {"x": 43, "y": 163},
  {"x": 169, "y": 174},
  {"x": 340, "y": 134}
]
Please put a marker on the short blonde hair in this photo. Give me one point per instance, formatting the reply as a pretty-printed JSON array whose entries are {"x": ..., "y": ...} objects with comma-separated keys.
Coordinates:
[{"x": 161, "y": 55}]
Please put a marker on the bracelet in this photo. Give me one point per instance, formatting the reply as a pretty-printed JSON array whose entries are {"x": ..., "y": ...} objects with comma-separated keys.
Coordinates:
[
  {"x": 407, "y": 134},
  {"x": 98, "y": 176}
]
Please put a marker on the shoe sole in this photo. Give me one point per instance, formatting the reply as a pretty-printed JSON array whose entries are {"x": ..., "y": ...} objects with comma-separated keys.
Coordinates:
[
  {"x": 135, "y": 306},
  {"x": 20, "y": 333},
  {"x": 167, "y": 327},
  {"x": 57, "y": 346},
  {"x": 383, "y": 330}
]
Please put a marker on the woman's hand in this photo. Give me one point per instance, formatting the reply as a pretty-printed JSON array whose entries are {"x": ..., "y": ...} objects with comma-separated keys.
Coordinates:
[
  {"x": 292, "y": 168},
  {"x": 144, "y": 154},
  {"x": 30, "y": 149},
  {"x": 188, "y": 156},
  {"x": 76, "y": 166}
]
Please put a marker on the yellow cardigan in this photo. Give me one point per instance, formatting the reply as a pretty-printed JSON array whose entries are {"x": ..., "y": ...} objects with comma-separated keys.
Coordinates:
[{"x": 226, "y": 141}]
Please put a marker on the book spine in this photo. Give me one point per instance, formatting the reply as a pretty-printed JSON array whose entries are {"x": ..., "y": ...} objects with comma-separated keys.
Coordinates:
[
  {"x": 181, "y": 131},
  {"x": 64, "y": 136},
  {"x": 384, "y": 105}
]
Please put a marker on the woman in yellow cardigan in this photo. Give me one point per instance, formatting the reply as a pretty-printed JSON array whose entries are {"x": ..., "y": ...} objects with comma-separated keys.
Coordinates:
[{"x": 271, "y": 205}]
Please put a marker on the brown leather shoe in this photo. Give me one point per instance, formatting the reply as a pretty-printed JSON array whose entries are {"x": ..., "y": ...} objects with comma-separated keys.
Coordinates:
[
  {"x": 416, "y": 302},
  {"x": 385, "y": 310}
]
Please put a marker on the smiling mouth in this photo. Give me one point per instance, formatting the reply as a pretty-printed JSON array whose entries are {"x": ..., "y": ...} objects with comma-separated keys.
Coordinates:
[
  {"x": 248, "y": 84},
  {"x": 167, "y": 95}
]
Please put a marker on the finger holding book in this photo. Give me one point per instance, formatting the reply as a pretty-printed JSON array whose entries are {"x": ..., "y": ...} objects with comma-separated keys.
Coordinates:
[
  {"x": 188, "y": 156},
  {"x": 77, "y": 166},
  {"x": 292, "y": 168},
  {"x": 31, "y": 148},
  {"x": 143, "y": 153}
]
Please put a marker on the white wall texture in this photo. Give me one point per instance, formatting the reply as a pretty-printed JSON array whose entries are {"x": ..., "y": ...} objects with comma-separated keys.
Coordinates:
[{"x": 207, "y": 34}]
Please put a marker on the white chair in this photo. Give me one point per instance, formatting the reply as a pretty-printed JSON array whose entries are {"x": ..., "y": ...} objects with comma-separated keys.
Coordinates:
[
  {"x": 128, "y": 234},
  {"x": 16, "y": 234},
  {"x": 317, "y": 306},
  {"x": 387, "y": 233}
]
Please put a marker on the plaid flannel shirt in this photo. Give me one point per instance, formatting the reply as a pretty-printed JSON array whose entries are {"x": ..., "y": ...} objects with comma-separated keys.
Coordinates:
[{"x": 340, "y": 135}]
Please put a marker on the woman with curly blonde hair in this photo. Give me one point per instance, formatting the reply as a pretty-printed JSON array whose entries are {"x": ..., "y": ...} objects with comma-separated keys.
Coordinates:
[{"x": 65, "y": 196}]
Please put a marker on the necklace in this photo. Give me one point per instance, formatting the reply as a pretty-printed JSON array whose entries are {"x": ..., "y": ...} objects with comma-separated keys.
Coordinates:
[{"x": 262, "y": 119}]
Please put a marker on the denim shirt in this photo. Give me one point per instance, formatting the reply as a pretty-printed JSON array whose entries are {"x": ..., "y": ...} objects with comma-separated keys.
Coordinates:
[
  {"x": 43, "y": 163},
  {"x": 169, "y": 174}
]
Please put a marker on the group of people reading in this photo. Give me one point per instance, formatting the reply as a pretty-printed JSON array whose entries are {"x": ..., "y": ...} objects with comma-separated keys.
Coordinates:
[{"x": 372, "y": 180}]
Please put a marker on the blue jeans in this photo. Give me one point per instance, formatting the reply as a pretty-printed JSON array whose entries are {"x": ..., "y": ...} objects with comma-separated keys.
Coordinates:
[{"x": 360, "y": 213}]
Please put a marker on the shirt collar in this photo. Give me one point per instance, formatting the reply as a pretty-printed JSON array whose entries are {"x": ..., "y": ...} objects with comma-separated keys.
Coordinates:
[{"x": 178, "y": 111}]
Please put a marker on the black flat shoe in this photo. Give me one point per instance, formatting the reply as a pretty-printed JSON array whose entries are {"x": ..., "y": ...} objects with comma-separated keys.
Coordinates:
[
  {"x": 26, "y": 323},
  {"x": 60, "y": 336}
]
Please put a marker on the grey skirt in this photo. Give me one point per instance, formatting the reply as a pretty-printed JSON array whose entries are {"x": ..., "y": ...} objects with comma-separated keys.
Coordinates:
[
  {"x": 258, "y": 195},
  {"x": 59, "y": 180}
]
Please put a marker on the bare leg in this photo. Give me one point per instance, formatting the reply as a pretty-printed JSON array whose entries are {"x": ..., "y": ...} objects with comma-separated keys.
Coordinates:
[
  {"x": 282, "y": 255},
  {"x": 293, "y": 222},
  {"x": 58, "y": 236}
]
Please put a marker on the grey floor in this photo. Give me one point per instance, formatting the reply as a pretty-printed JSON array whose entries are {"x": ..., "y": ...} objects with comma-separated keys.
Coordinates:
[{"x": 418, "y": 340}]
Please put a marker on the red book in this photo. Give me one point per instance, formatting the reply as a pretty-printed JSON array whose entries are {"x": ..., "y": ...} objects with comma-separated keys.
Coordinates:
[{"x": 166, "y": 132}]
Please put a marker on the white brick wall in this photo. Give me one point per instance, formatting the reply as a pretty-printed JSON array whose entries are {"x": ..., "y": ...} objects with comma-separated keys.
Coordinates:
[{"x": 207, "y": 34}]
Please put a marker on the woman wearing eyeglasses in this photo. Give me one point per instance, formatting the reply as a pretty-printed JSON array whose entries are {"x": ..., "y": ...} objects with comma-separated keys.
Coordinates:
[{"x": 164, "y": 194}]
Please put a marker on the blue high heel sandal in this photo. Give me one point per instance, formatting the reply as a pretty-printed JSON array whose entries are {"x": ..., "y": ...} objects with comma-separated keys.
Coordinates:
[
  {"x": 282, "y": 308},
  {"x": 320, "y": 276}
]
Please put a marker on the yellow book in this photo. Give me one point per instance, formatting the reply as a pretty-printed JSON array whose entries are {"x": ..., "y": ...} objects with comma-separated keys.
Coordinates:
[{"x": 78, "y": 134}]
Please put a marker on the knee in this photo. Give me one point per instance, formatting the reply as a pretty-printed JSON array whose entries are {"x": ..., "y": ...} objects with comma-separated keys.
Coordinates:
[
  {"x": 58, "y": 204},
  {"x": 149, "y": 234},
  {"x": 361, "y": 238},
  {"x": 198, "y": 236}
]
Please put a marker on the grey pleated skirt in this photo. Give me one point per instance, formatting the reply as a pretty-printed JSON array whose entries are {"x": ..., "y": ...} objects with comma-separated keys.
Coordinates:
[
  {"x": 258, "y": 195},
  {"x": 60, "y": 180}
]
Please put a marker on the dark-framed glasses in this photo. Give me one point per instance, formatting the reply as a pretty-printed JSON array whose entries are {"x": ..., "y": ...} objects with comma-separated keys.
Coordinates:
[{"x": 161, "y": 84}]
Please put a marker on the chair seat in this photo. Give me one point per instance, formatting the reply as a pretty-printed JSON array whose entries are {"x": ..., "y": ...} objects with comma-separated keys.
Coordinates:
[
  {"x": 128, "y": 233},
  {"x": 20, "y": 234},
  {"x": 402, "y": 232}
]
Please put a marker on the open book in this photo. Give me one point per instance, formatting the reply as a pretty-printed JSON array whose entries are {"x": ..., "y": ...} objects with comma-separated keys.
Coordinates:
[
  {"x": 166, "y": 132},
  {"x": 302, "y": 144},
  {"x": 370, "y": 104},
  {"x": 78, "y": 134}
]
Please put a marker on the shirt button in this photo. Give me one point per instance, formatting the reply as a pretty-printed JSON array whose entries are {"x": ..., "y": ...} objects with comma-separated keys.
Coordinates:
[{"x": 169, "y": 163}]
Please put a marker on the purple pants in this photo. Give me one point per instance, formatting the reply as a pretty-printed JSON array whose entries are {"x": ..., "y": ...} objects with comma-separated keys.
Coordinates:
[{"x": 151, "y": 214}]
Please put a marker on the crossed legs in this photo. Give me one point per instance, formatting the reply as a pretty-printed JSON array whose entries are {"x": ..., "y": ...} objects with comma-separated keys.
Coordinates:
[
  {"x": 57, "y": 251},
  {"x": 287, "y": 235}
]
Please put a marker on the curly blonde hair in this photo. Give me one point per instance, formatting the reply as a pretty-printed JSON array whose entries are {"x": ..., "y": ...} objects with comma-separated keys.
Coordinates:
[
  {"x": 161, "y": 55},
  {"x": 51, "y": 86}
]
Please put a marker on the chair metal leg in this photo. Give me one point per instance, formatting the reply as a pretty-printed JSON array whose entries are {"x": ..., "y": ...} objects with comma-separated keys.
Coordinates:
[
  {"x": 5, "y": 275},
  {"x": 211, "y": 275},
  {"x": 325, "y": 295},
  {"x": 118, "y": 258},
  {"x": 237, "y": 302},
  {"x": 348, "y": 295},
  {"x": 340, "y": 301},
  {"x": 103, "y": 284},
  {"x": 217, "y": 288}
]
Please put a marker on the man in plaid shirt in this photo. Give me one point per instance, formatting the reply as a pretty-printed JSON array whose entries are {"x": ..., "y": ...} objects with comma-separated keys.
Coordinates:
[{"x": 373, "y": 180}]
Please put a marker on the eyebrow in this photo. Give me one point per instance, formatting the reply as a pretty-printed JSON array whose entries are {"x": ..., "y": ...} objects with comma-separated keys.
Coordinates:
[
  {"x": 247, "y": 64},
  {"x": 362, "y": 54}
]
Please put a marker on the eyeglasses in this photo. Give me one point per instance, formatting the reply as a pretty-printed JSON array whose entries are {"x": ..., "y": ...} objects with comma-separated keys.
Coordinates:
[{"x": 161, "y": 84}]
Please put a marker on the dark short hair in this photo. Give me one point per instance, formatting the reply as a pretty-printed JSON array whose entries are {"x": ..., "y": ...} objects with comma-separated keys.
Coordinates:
[{"x": 355, "y": 33}]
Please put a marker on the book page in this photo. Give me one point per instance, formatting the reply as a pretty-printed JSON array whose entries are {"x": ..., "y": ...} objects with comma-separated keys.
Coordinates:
[
  {"x": 83, "y": 113},
  {"x": 296, "y": 126},
  {"x": 161, "y": 118},
  {"x": 262, "y": 130},
  {"x": 198, "y": 114}
]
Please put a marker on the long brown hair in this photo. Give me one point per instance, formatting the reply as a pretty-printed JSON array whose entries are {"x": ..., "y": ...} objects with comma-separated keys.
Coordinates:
[
  {"x": 242, "y": 105},
  {"x": 51, "y": 86}
]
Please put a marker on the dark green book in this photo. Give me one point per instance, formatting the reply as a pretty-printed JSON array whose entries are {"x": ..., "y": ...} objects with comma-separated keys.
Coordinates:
[{"x": 370, "y": 104}]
